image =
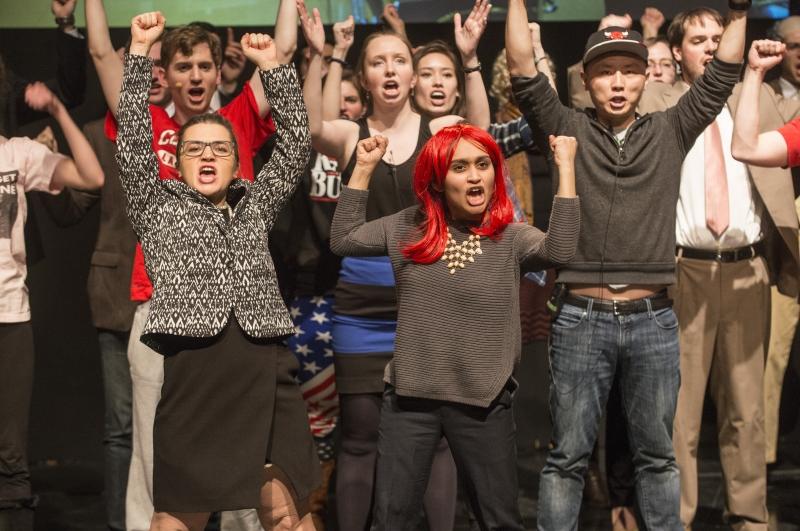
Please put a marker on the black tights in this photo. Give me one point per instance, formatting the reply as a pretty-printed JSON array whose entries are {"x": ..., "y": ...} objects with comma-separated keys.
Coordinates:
[{"x": 355, "y": 468}]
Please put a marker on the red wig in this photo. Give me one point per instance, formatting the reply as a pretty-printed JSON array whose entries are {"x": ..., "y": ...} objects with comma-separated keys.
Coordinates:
[{"x": 430, "y": 171}]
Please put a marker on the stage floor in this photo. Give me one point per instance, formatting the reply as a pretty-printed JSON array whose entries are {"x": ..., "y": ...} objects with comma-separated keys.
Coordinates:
[{"x": 71, "y": 496}]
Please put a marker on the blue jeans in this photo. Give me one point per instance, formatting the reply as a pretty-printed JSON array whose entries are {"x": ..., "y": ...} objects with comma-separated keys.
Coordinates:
[
  {"x": 118, "y": 424},
  {"x": 587, "y": 349}
]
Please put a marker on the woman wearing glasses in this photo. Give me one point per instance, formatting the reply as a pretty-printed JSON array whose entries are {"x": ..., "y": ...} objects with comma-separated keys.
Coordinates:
[{"x": 229, "y": 403}]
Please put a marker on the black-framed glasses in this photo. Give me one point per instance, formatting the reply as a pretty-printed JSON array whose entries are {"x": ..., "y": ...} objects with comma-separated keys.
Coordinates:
[{"x": 195, "y": 148}]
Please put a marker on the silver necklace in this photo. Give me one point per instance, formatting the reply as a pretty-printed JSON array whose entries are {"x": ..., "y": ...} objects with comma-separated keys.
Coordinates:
[{"x": 458, "y": 254}]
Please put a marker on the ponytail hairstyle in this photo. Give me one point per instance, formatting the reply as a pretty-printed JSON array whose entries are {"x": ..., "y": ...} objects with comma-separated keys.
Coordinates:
[{"x": 430, "y": 171}]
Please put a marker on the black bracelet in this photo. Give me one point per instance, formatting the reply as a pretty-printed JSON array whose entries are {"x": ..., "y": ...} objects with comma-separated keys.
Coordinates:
[
  {"x": 542, "y": 58},
  {"x": 740, "y": 5},
  {"x": 65, "y": 21},
  {"x": 471, "y": 69},
  {"x": 340, "y": 61}
]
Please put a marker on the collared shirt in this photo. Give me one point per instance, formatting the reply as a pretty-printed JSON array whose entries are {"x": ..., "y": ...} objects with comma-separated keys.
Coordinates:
[
  {"x": 745, "y": 209},
  {"x": 788, "y": 89}
]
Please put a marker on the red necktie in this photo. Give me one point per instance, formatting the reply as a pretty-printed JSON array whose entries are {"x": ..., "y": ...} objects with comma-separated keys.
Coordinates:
[{"x": 717, "y": 213}]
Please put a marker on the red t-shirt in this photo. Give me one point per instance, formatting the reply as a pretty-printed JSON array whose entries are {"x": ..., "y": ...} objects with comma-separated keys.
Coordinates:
[
  {"x": 791, "y": 134},
  {"x": 251, "y": 133}
]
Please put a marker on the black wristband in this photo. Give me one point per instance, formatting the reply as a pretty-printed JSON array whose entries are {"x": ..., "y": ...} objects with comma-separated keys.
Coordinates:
[
  {"x": 539, "y": 60},
  {"x": 340, "y": 61},
  {"x": 740, "y": 5},
  {"x": 65, "y": 21},
  {"x": 471, "y": 69}
]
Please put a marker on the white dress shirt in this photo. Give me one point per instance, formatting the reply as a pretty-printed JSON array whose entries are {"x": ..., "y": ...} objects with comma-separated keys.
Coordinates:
[{"x": 745, "y": 206}]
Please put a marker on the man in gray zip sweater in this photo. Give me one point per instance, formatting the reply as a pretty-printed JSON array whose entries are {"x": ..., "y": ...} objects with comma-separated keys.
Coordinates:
[{"x": 614, "y": 313}]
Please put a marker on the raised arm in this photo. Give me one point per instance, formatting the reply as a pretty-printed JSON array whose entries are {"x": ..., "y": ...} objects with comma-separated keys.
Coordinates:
[
  {"x": 106, "y": 61},
  {"x": 765, "y": 149},
  {"x": 651, "y": 20},
  {"x": 467, "y": 37},
  {"x": 540, "y": 58},
  {"x": 138, "y": 165},
  {"x": 285, "y": 43},
  {"x": 559, "y": 244},
  {"x": 83, "y": 171},
  {"x": 329, "y": 137},
  {"x": 391, "y": 17},
  {"x": 519, "y": 48},
  {"x": 71, "y": 53},
  {"x": 351, "y": 235},
  {"x": 278, "y": 179},
  {"x": 286, "y": 31},
  {"x": 709, "y": 92},
  {"x": 343, "y": 34},
  {"x": 731, "y": 45}
]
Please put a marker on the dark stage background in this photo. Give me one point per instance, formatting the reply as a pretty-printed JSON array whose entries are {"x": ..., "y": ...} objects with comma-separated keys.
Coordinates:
[{"x": 67, "y": 413}]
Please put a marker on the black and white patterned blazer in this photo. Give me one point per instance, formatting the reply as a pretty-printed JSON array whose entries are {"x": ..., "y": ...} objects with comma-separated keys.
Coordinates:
[{"x": 203, "y": 266}]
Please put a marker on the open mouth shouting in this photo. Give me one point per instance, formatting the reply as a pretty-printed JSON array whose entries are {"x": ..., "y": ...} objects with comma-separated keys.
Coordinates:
[
  {"x": 438, "y": 98},
  {"x": 391, "y": 89},
  {"x": 476, "y": 196},
  {"x": 207, "y": 174},
  {"x": 617, "y": 103},
  {"x": 196, "y": 95}
]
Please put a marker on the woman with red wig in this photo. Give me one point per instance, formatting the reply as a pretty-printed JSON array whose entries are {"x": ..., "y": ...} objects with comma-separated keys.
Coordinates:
[{"x": 457, "y": 259}]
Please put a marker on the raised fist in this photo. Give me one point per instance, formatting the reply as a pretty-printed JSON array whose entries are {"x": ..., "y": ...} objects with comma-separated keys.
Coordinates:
[
  {"x": 764, "y": 54},
  {"x": 651, "y": 21},
  {"x": 620, "y": 21},
  {"x": 370, "y": 151},
  {"x": 145, "y": 31},
  {"x": 39, "y": 98},
  {"x": 392, "y": 19},
  {"x": 564, "y": 149},
  {"x": 343, "y": 33},
  {"x": 63, "y": 8},
  {"x": 260, "y": 49}
]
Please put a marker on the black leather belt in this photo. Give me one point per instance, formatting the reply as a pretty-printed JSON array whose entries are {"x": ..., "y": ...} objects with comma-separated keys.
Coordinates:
[
  {"x": 657, "y": 302},
  {"x": 723, "y": 255}
]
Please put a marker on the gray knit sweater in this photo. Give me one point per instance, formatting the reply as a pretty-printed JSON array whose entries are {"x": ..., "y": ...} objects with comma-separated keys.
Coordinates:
[
  {"x": 630, "y": 191},
  {"x": 458, "y": 335}
]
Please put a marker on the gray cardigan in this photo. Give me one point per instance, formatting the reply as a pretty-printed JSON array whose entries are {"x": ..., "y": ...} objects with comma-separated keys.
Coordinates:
[
  {"x": 458, "y": 335},
  {"x": 204, "y": 267},
  {"x": 629, "y": 192}
]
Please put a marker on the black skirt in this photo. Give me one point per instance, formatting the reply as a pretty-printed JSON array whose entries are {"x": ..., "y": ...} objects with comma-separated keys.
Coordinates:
[
  {"x": 360, "y": 373},
  {"x": 229, "y": 406}
]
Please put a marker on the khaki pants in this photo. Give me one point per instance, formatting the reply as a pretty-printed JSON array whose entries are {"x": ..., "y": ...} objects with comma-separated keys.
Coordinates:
[
  {"x": 785, "y": 314},
  {"x": 147, "y": 375},
  {"x": 723, "y": 311}
]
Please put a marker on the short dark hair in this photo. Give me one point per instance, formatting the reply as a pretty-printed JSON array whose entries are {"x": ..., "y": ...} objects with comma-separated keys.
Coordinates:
[
  {"x": 184, "y": 38},
  {"x": 677, "y": 28},
  {"x": 207, "y": 118}
]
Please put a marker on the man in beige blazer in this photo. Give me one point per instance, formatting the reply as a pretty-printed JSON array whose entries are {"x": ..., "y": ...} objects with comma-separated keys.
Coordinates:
[
  {"x": 734, "y": 240},
  {"x": 785, "y": 310}
]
